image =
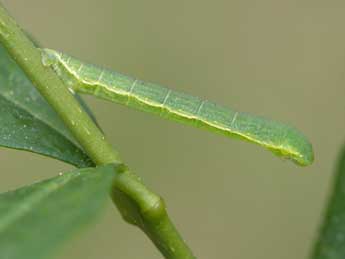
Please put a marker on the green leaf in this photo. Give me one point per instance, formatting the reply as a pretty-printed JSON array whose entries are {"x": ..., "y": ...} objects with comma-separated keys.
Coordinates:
[
  {"x": 331, "y": 241},
  {"x": 35, "y": 219},
  {"x": 28, "y": 122}
]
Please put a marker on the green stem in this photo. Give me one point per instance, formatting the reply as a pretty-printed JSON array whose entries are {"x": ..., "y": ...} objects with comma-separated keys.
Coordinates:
[
  {"x": 141, "y": 207},
  {"x": 137, "y": 204},
  {"x": 28, "y": 57}
]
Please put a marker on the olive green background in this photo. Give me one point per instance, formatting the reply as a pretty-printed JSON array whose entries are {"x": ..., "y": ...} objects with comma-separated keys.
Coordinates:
[{"x": 281, "y": 59}]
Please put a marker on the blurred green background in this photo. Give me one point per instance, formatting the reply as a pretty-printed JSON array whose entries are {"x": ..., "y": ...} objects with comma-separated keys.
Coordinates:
[{"x": 281, "y": 59}]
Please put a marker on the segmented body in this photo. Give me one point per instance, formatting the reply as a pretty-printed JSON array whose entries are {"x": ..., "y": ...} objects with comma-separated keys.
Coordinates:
[{"x": 86, "y": 78}]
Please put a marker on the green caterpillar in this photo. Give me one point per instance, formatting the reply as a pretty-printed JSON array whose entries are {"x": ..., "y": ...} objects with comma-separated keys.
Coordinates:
[{"x": 86, "y": 78}]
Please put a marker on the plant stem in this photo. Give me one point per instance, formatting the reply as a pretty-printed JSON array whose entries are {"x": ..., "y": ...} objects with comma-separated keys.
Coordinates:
[
  {"x": 28, "y": 57},
  {"x": 147, "y": 210},
  {"x": 137, "y": 204}
]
